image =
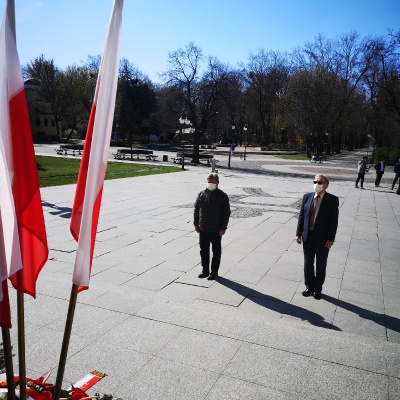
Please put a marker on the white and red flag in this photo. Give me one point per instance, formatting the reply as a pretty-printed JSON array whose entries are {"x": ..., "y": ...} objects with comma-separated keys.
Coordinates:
[
  {"x": 23, "y": 242},
  {"x": 86, "y": 208}
]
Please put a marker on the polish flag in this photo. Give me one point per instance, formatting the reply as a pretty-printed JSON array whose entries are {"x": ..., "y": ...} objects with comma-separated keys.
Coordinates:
[
  {"x": 23, "y": 242},
  {"x": 86, "y": 208}
]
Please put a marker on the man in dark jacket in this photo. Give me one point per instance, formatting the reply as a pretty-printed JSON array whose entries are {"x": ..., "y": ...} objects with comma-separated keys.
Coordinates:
[
  {"x": 397, "y": 172},
  {"x": 316, "y": 228},
  {"x": 362, "y": 169},
  {"x": 380, "y": 170},
  {"x": 211, "y": 217}
]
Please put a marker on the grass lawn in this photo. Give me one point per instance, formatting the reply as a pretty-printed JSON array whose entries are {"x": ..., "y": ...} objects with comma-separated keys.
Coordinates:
[
  {"x": 57, "y": 171},
  {"x": 293, "y": 157}
]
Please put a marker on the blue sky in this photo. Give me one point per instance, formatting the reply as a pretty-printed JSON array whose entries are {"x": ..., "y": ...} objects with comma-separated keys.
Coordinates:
[{"x": 70, "y": 30}]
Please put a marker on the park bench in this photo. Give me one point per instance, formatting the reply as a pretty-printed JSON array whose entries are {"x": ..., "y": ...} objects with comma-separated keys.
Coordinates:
[
  {"x": 179, "y": 158},
  {"x": 74, "y": 148},
  {"x": 123, "y": 154}
]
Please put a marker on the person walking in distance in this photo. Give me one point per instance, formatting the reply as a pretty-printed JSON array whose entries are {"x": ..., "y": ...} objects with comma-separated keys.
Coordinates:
[
  {"x": 211, "y": 217},
  {"x": 316, "y": 229},
  {"x": 380, "y": 170},
  {"x": 397, "y": 172},
  {"x": 362, "y": 169}
]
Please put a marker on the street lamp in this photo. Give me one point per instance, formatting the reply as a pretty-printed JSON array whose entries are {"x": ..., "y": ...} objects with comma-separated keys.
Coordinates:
[
  {"x": 372, "y": 138},
  {"x": 230, "y": 148},
  {"x": 245, "y": 141},
  {"x": 326, "y": 144},
  {"x": 183, "y": 121}
]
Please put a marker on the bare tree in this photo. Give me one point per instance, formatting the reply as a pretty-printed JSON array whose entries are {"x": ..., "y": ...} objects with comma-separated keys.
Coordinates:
[
  {"x": 77, "y": 87},
  {"x": 198, "y": 87},
  {"x": 266, "y": 75}
]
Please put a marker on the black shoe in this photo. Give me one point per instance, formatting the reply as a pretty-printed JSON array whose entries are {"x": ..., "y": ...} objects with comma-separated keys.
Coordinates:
[
  {"x": 308, "y": 292},
  {"x": 203, "y": 275},
  {"x": 317, "y": 295},
  {"x": 212, "y": 277},
  {"x": 357, "y": 186}
]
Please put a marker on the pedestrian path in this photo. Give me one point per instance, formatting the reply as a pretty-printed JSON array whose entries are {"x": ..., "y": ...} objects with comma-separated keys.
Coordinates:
[{"x": 159, "y": 332}]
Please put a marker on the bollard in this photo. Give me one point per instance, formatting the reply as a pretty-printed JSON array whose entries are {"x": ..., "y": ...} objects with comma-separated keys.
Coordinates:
[{"x": 213, "y": 164}]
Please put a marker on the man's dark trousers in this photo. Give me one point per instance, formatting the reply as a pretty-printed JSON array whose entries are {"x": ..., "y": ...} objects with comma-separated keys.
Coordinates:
[
  {"x": 312, "y": 248},
  {"x": 207, "y": 238},
  {"x": 378, "y": 178},
  {"x": 360, "y": 177}
]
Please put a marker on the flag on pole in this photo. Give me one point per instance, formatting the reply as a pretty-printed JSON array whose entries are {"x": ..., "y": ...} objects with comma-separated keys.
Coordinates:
[
  {"x": 23, "y": 242},
  {"x": 86, "y": 208}
]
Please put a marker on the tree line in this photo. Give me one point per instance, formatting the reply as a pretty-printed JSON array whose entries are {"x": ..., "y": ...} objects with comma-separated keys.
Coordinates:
[{"x": 332, "y": 94}]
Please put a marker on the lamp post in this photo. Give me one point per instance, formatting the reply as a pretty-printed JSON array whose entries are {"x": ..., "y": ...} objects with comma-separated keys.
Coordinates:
[
  {"x": 326, "y": 145},
  {"x": 245, "y": 141},
  {"x": 368, "y": 141},
  {"x": 183, "y": 121},
  {"x": 230, "y": 148}
]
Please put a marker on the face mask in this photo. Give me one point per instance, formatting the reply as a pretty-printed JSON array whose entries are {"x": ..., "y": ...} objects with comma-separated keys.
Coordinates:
[
  {"x": 211, "y": 186},
  {"x": 318, "y": 188}
]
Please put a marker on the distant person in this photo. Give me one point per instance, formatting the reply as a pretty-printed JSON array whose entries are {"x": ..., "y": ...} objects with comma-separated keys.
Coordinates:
[
  {"x": 380, "y": 170},
  {"x": 316, "y": 229},
  {"x": 211, "y": 217},
  {"x": 362, "y": 169},
  {"x": 397, "y": 172}
]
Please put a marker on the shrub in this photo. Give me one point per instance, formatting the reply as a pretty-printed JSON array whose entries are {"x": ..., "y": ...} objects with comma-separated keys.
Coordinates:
[{"x": 390, "y": 154}]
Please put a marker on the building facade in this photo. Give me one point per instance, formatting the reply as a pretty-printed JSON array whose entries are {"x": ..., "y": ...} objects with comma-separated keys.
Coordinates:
[{"x": 42, "y": 121}]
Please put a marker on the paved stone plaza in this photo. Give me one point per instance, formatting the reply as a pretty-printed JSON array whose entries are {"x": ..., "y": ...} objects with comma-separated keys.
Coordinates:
[{"x": 159, "y": 332}]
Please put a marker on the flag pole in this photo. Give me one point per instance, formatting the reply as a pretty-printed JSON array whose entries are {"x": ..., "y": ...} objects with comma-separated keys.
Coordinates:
[
  {"x": 20, "y": 295},
  {"x": 65, "y": 344},
  {"x": 11, "y": 17},
  {"x": 21, "y": 345},
  {"x": 9, "y": 365}
]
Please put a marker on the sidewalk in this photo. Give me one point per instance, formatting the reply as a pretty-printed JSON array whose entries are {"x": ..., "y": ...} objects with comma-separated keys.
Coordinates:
[{"x": 159, "y": 332}]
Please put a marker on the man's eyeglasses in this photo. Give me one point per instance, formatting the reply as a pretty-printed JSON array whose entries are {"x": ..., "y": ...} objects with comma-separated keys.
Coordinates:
[{"x": 319, "y": 183}]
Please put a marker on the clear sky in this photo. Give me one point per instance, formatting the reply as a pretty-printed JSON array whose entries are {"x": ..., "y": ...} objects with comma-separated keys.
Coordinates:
[{"x": 70, "y": 30}]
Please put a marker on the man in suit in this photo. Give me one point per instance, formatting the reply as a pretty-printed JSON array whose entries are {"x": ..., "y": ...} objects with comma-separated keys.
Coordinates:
[
  {"x": 397, "y": 172},
  {"x": 380, "y": 170},
  {"x": 316, "y": 229}
]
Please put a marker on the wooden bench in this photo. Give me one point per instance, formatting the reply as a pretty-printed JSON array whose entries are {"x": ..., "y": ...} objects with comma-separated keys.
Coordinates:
[
  {"x": 179, "y": 158},
  {"x": 128, "y": 153},
  {"x": 64, "y": 148}
]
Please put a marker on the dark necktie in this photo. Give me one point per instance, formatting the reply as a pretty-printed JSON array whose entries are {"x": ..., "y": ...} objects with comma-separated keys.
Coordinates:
[{"x": 312, "y": 213}]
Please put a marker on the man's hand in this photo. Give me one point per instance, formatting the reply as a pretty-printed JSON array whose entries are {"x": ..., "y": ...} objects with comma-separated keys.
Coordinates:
[
  {"x": 329, "y": 244},
  {"x": 196, "y": 228},
  {"x": 221, "y": 232},
  {"x": 298, "y": 239}
]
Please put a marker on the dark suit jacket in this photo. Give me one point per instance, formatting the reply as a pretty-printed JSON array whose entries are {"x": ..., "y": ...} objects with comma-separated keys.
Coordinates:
[
  {"x": 378, "y": 167},
  {"x": 326, "y": 223}
]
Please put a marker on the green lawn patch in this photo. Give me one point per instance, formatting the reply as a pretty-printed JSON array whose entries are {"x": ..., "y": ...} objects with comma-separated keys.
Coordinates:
[
  {"x": 57, "y": 171},
  {"x": 293, "y": 157}
]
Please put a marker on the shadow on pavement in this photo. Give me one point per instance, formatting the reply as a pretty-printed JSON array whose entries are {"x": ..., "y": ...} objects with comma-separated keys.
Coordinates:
[
  {"x": 382, "y": 319},
  {"x": 63, "y": 212},
  {"x": 277, "y": 305}
]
